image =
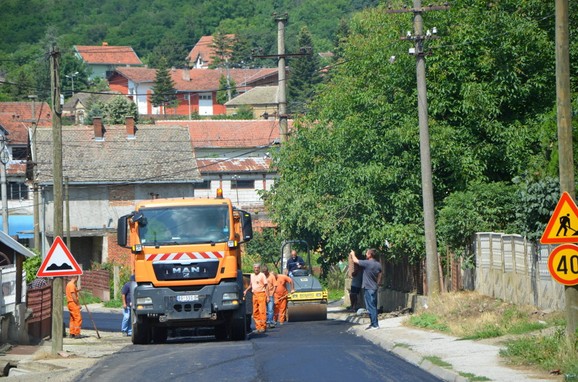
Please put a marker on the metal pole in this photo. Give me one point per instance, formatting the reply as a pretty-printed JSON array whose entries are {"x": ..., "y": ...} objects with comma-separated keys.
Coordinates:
[{"x": 432, "y": 270}]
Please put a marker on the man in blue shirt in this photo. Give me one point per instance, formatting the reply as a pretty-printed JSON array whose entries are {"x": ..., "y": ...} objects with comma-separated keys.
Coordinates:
[
  {"x": 126, "y": 326},
  {"x": 294, "y": 262},
  {"x": 371, "y": 280}
]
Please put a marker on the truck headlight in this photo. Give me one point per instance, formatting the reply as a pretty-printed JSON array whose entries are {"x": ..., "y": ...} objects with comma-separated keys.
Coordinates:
[
  {"x": 230, "y": 296},
  {"x": 144, "y": 300}
]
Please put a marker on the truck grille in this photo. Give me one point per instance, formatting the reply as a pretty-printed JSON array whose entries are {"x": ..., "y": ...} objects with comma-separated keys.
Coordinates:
[{"x": 189, "y": 271}]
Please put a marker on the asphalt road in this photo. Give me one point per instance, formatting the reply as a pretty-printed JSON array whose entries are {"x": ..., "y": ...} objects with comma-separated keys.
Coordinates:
[{"x": 300, "y": 351}]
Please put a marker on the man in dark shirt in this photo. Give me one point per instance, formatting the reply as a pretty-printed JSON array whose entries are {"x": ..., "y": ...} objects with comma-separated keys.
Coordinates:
[
  {"x": 294, "y": 262},
  {"x": 371, "y": 280},
  {"x": 126, "y": 326}
]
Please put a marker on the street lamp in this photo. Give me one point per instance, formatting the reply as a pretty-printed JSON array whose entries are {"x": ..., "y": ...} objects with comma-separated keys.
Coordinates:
[{"x": 71, "y": 76}]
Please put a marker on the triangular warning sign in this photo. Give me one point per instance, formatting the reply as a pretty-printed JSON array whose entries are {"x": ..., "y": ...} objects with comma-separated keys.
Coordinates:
[
  {"x": 59, "y": 261},
  {"x": 563, "y": 224}
]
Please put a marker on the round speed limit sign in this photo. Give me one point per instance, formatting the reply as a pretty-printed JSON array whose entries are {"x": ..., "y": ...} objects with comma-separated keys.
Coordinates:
[{"x": 563, "y": 264}]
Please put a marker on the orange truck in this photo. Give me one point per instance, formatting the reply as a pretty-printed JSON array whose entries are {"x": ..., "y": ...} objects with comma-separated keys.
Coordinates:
[{"x": 187, "y": 266}]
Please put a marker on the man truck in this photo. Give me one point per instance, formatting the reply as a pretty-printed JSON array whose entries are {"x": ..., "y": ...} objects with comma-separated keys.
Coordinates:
[{"x": 187, "y": 264}]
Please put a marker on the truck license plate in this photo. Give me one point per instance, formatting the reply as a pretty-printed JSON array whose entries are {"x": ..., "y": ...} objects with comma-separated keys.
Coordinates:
[{"x": 187, "y": 298}]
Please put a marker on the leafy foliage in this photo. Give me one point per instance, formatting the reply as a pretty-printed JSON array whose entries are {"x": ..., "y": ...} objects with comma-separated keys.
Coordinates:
[
  {"x": 265, "y": 245},
  {"x": 31, "y": 266}
]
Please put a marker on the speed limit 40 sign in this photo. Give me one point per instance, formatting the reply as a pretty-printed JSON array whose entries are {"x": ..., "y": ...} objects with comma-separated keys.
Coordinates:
[{"x": 563, "y": 264}]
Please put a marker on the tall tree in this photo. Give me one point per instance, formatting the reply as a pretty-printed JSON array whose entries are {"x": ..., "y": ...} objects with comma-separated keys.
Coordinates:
[
  {"x": 164, "y": 92},
  {"x": 303, "y": 76}
]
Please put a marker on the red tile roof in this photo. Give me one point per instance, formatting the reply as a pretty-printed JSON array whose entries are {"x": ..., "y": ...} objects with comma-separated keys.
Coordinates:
[
  {"x": 195, "y": 80},
  {"x": 230, "y": 133},
  {"x": 17, "y": 130},
  {"x": 204, "y": 49},
  {"x": 22, "y": 111},
  {"x": 115, "y": 55}
]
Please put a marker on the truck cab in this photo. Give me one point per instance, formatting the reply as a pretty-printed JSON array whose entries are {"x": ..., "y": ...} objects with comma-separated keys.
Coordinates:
[{"x": 187, "y": 265}]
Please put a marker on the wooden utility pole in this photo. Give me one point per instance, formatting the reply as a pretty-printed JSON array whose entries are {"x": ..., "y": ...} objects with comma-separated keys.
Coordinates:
[
  {"x": 432, "y": 261},
  {"x": 57, "y": 285},
  {"x": 282, "y": 92},
  {"x": 566, "y": 157},
  {"x": 282, "y": 73}
]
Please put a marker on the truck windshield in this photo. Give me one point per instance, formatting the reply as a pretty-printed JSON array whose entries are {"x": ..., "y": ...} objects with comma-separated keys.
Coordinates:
[{"x": 184, "y": 225}]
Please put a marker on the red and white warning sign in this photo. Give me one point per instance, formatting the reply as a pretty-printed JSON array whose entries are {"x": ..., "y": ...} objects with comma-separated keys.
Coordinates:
[{"x": 59, "y": 262}]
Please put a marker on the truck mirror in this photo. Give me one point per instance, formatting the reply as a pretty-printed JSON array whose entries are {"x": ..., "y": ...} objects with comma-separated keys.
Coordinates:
[
  {"x": 121, "y": 230},
  {"x": 247, "y": 225}
]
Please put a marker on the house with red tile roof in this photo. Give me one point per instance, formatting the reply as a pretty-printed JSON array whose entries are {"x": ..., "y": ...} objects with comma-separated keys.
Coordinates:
[
  {"x": 203, "y": 53},
  {"x": 234, "y": 155},
  {"x": 196, "y": 88},
  {"x": 18, "y": 121},
  {"x": 104, "y": 59}
]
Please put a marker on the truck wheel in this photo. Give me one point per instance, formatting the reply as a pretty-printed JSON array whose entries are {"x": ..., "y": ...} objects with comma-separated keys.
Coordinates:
[
  {"x": 239, "y": 329},
  {"x": 221, "y": 332},
  {"x": 140, "y": 331},
  {"x": 160, "y": 335}
]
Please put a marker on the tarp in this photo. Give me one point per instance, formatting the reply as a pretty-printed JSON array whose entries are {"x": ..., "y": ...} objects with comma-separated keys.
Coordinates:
[{"x": 20, "y": 225}]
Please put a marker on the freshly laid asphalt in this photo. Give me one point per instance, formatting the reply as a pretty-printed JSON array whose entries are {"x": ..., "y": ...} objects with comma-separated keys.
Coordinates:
[{"x": 446, "y": 357}]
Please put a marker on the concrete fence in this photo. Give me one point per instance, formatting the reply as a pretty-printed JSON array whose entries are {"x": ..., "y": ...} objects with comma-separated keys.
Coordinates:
[{"x": 510, "y": 268}]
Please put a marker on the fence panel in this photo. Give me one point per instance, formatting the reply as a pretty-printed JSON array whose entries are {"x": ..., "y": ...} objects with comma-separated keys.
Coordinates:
[
  {"x": 509, "y": 268},
  {"x": 40, "y": 302}
]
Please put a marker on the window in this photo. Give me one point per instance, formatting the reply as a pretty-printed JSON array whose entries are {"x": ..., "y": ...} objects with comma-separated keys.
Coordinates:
[
  {"x": 17, "y": 191},
  {"x": 204, "y": 185},
  {"x": 19, "y": 153},
  {"x": 242, "y": 183}
]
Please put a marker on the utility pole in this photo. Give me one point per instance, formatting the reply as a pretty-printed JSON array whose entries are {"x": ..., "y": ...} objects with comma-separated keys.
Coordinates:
[
  {"x": 432, "y": 261},
  {"x": 36, "y": 198},
  {"x": 281, "y": 57},
  {"x": 566, "y": 157},
  {"x": 281, "y": 21},
  {"x": 57, "y": 285}
]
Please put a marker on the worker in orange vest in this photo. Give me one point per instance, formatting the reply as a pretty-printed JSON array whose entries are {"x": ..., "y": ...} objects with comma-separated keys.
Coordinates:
[
  {"x": 260, "y": 298},
  {"x": 73, "y": 307},
  {"x": 281, "y": 297}
]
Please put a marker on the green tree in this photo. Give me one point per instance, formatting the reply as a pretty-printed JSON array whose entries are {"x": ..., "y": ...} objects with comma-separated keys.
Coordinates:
[
  {"x": 227, "y": 89},
  {"x": 164, "y": 93},
  {"x": 304, "y": 75},
  {"x": 118, "y": 108},
  {"x": 223, "y": 47}
]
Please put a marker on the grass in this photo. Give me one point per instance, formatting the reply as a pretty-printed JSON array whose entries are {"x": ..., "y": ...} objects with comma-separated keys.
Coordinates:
[
  {"x": 113, "y": 303},
  {"x": 472, "y": 377},
  {"x": 438, "y": 361},
  {"x": 87, "y": 297},
  {"x": 531, "y": 337}
]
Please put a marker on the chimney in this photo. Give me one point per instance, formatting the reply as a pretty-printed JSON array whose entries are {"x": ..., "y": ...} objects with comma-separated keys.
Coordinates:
[
  {"x": 104, "y": 43},
  {"x": 130, "y": 127},
  {"x": 98, "y": 129},
  {"x": 186, "y": 74}
]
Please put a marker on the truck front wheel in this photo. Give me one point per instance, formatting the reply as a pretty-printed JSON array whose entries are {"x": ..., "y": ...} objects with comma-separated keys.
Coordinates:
[{"x": 140, "y": 330}]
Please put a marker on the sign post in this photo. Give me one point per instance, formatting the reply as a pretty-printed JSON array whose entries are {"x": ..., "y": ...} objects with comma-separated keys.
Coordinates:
[{"x": 58, "y": 262}]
